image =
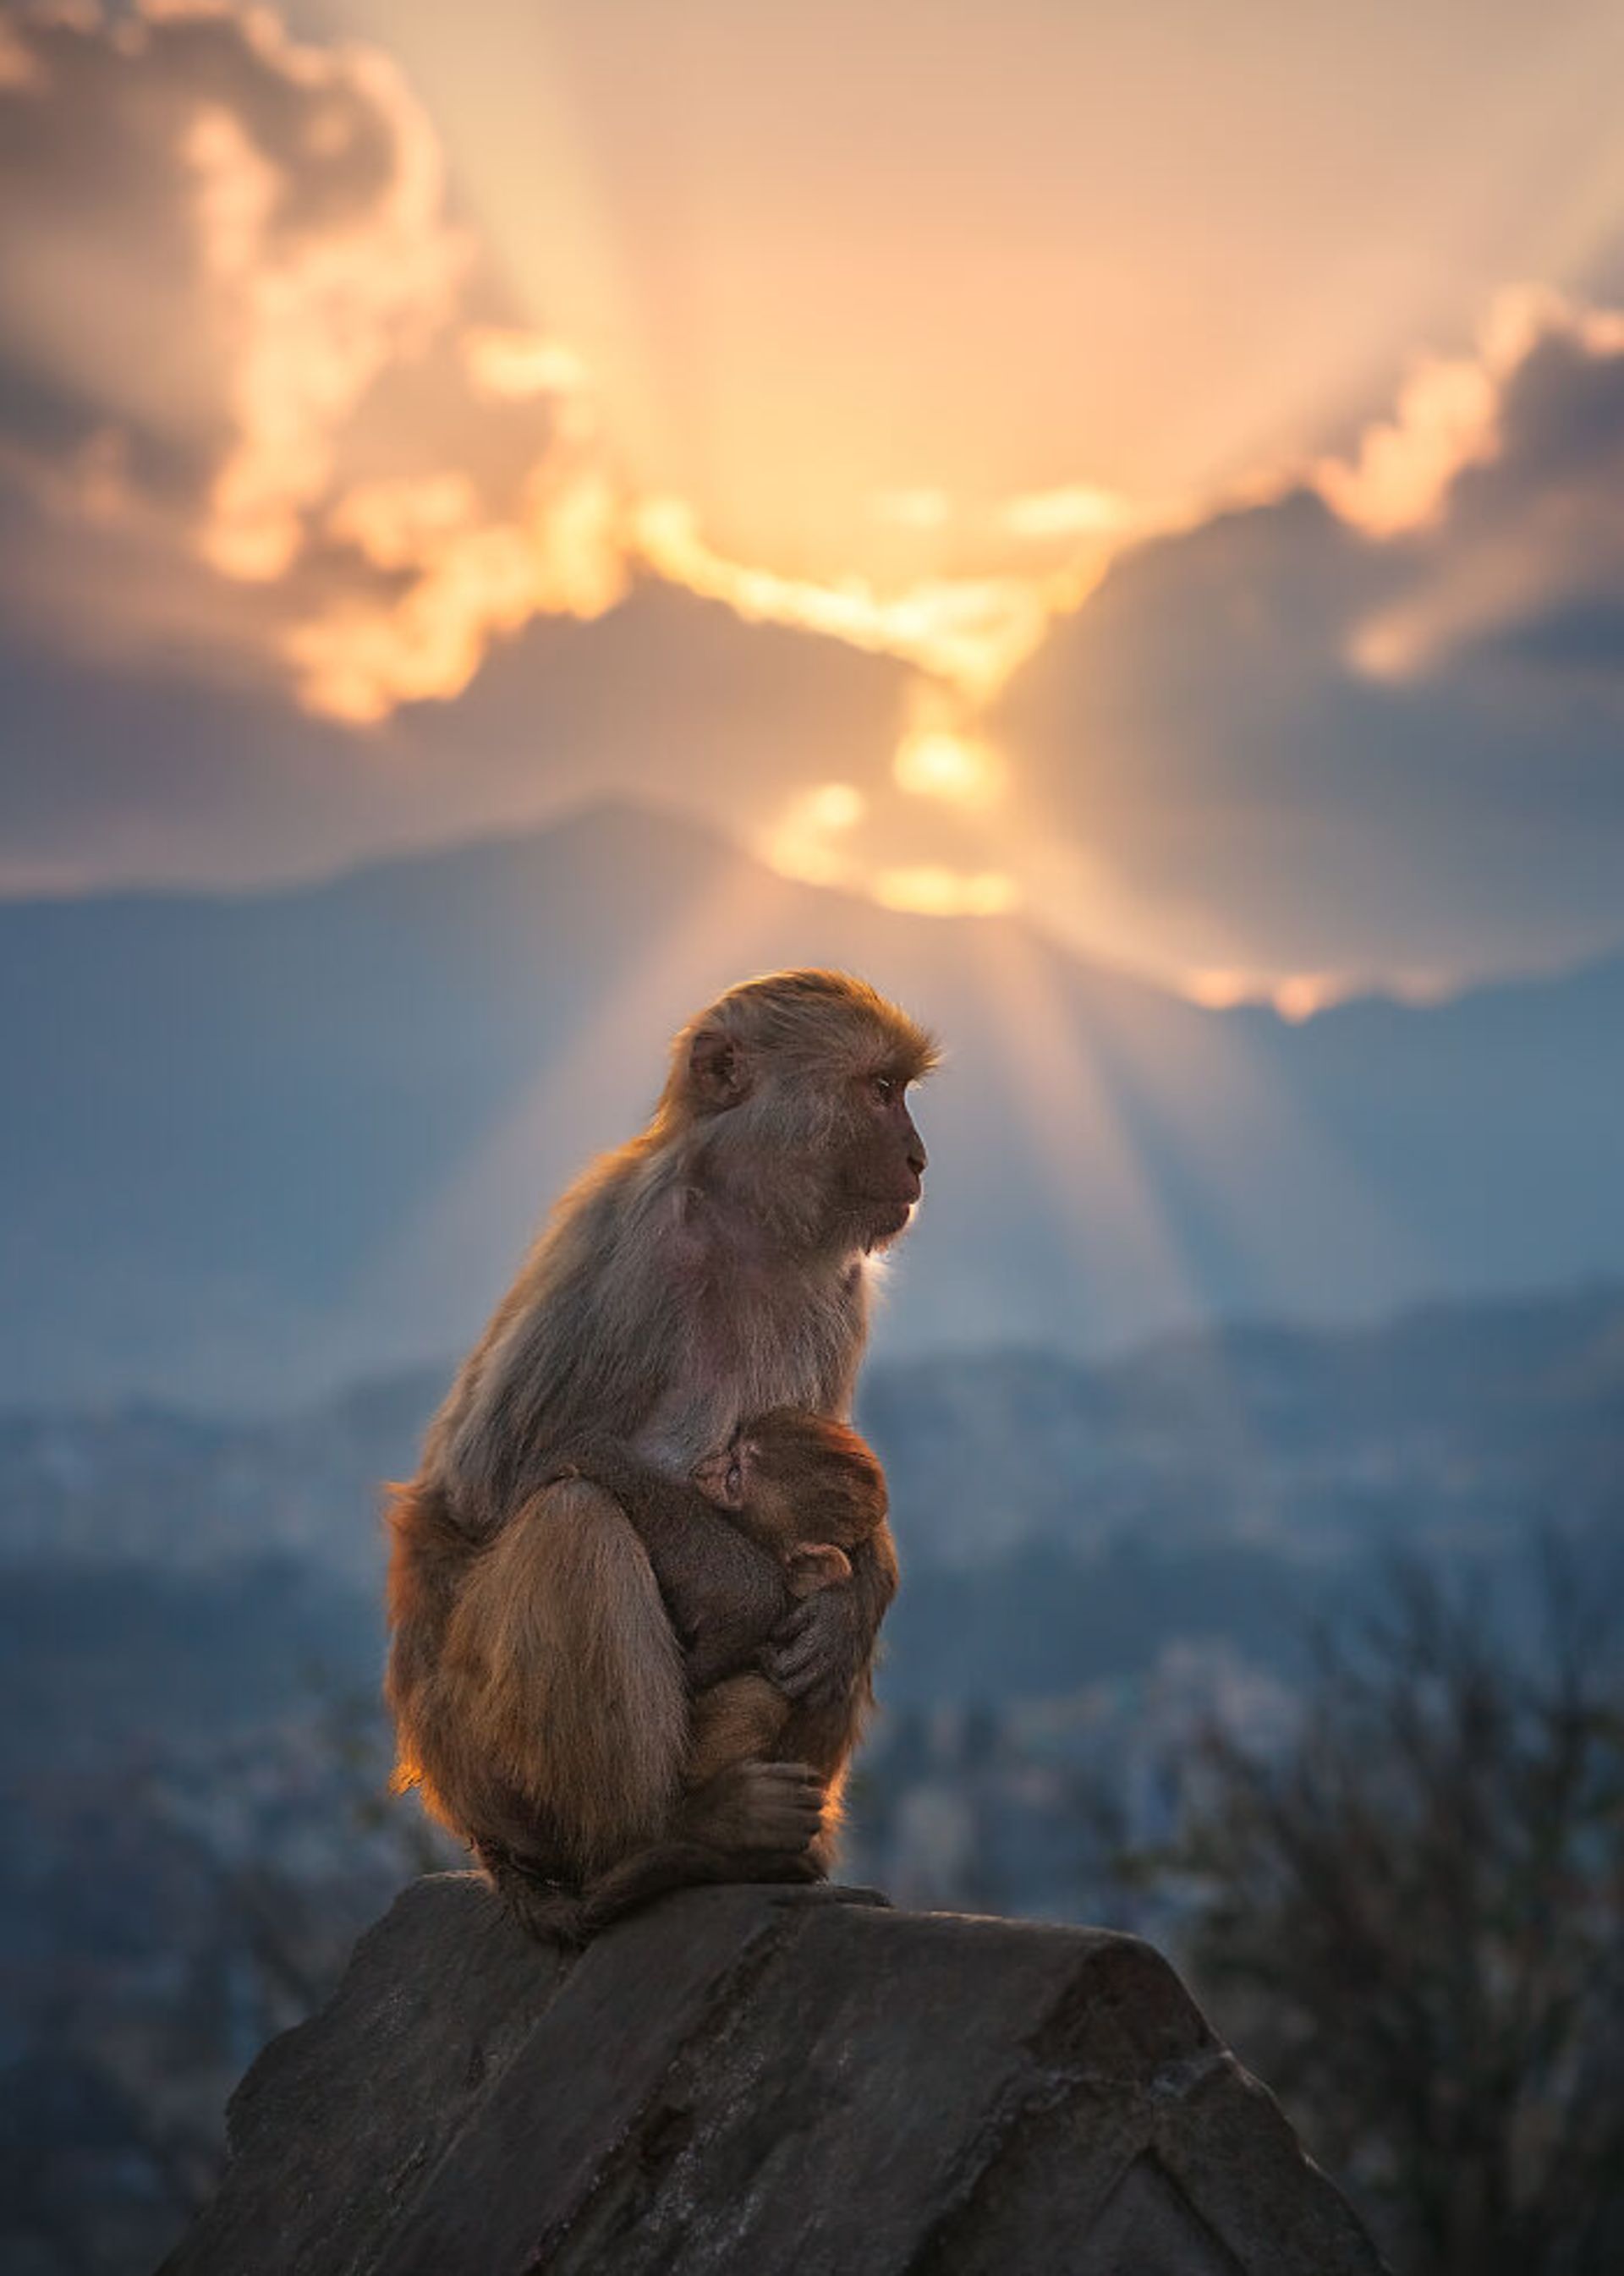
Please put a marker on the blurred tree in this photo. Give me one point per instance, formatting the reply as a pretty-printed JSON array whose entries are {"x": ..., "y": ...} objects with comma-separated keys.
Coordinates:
[
  {"x": 1411, "y": 1920},
  {"x": 232, "y": 1885}
]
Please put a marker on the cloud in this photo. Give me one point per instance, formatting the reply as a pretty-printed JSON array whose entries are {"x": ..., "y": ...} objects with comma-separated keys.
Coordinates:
[
  {"x": 1448, "y": 415},
  {"x": 248, "y": 345},
  {"x": 1372, "y": 728},
  {"x": 1445, "y": 419},
  {"x": 314, "y": 296},
  {"x": 468, "y": 580},
  {"x": 970, "y": 630},
  {"x": 1078, "y": 510},
  {"x": 241, "y": 331},
  {"x": 267, "y": 422},
  {"x": 215, "y": 238},
  {"x": 1523, "y": 548},
  {"x": 268, "y": 431},
  {"x": 146, "y": 776},
  {"x": 520, "y": 365}
]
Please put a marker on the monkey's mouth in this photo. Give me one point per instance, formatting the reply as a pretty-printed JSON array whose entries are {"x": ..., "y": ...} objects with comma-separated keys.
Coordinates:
[{"x": 886, "y": 1215}]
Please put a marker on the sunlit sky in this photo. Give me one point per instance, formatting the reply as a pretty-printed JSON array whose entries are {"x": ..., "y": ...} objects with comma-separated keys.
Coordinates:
[{"x": 1160, "y": 469}]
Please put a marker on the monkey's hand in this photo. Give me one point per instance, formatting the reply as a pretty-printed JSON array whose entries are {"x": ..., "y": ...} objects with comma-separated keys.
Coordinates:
[{"x": 825, "y": 1649}]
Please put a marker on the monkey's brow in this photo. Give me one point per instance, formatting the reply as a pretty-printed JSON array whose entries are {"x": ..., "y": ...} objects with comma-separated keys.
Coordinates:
[{"x": 909, "y": 1060}]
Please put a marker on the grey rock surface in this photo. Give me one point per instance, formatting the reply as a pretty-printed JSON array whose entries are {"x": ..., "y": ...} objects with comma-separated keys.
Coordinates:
[{"x": 764, "y": 2081}]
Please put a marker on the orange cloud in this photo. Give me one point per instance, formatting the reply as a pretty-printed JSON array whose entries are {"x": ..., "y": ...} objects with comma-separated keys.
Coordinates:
[
  {"x": 294, "y": 431},
  {"x": 971, "y": 631},
  {"x": 471, "y": 580},
  {"x": 936, "y": 761},
  {"x": 269, "y": 252},
  {"x": 1447, "y": 415},
  {"x": 931, "y": 891},
  {"x": 308, "y": 186},
  {"x": 1445, "y": 419},
  {"x": 1080, "y": 509},
  {"x": 518, "y": 365},
  {"x": 1301, "y": 994},
  {"x": 805, "y": 842},
  {"x": 310, "y": 318},
  {"x": 214, "y": 242}
]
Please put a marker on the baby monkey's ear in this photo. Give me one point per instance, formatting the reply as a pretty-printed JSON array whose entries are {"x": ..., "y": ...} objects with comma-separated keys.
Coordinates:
[{"x": 818, "y": 1565}]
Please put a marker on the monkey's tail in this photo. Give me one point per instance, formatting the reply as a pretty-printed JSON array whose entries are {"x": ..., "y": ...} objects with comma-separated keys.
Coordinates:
[
  {"x": 671, "y": 1866},
  {"x": 544, "y": 1907},
  {"x": 554, "y": 1914}
]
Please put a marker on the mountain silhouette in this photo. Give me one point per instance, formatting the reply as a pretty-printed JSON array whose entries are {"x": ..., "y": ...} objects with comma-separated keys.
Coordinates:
[{"x": 256, "y": 1145}]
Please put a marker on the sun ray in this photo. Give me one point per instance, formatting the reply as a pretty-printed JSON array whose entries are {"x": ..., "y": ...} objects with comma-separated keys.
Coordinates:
[{"x": 595, "y": 1087}]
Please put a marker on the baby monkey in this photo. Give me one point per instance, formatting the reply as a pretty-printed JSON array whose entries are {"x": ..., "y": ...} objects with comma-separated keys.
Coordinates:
[{"x": 809, "y": 1491}]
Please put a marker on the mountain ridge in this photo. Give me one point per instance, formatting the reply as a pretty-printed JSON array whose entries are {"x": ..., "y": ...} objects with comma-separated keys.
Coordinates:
[
  {"x": 611, "y": 813},
  {"x": 261, "y": 1143}
]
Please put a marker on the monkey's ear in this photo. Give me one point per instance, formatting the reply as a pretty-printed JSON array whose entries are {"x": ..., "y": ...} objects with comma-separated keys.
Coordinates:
[
  {"x": 717, "y": 1072},
  {"x": 815, "y": 1566}
]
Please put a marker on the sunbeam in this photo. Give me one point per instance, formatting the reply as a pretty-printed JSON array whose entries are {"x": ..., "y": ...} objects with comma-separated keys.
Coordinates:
[{"x": 458, "y": 1244}]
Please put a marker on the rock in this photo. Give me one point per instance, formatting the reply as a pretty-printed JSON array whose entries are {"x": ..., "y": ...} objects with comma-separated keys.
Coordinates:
[{"x": 763, "y": 2081}]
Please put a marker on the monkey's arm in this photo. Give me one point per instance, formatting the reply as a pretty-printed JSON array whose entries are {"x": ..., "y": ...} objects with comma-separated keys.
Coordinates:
[
  {"x": 726, "y": 1594},
  {"x": 825, "y": 1649}
]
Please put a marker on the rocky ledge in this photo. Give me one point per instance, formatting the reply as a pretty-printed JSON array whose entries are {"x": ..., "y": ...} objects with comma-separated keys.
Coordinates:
[{"x": 760, "y": 2081}]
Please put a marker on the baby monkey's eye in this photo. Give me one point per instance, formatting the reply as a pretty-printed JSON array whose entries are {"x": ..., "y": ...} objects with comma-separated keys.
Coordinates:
[
  {"x": 885, "y": 1087},
  {"x": 735, "y": 1475}
]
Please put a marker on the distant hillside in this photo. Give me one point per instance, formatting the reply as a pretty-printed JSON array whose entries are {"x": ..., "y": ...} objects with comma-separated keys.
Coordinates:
[
  {"x": 1097, "y": 1559},
  {"x": 256, "y": 1146},
  {"x": 1056, "y": 1517}
]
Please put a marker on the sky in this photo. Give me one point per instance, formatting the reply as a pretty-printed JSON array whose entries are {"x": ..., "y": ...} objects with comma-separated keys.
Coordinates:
[{"x": 1157, "y": 470}]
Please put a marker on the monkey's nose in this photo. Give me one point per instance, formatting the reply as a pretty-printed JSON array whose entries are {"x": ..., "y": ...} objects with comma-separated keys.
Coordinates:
[{"x": 917, "y": 1159}]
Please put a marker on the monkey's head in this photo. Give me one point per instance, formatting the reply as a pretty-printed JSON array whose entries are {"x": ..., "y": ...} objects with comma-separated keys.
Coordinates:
[
  {"x": 795, "y": 1089},
  {"x": 793, "y": 1477}
]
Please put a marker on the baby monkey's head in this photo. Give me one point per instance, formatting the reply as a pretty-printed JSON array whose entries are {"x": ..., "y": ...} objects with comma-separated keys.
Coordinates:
[{"x": 799, "y": 1482}]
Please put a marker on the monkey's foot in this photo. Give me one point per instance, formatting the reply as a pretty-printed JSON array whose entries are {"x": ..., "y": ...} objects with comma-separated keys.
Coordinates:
[{"x": 775, "y": 1807}]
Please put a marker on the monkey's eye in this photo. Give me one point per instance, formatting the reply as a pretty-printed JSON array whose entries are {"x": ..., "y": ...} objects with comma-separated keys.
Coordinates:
[
  {"x": 885, "y": 1088},
  {"x": 735, "y": 1475}
]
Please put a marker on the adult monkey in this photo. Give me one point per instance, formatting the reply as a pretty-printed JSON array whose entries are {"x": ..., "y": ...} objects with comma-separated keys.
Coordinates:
[{"x": 714, "y": 1268}]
